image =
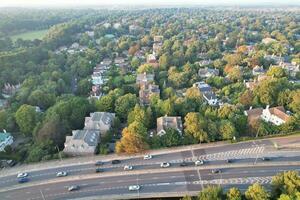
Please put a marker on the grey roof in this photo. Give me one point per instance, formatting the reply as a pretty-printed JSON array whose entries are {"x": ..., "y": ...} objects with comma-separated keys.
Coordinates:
[
  {"x": 97, "y": 118},
  {"x": 90, "y": 137}
]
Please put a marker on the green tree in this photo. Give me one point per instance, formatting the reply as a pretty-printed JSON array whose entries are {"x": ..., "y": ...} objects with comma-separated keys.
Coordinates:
[
  {"x": 105, "y": 103},
  {"x": 256, "y": 192},
  {"x": 145, "y": 68},
  {"x": 194, "y": 125},
  {"x": 276, "y": 72},
  {"x": 286, "y": 183},
  {"x": 26, "y": 118},
  {"x": 227, "y": 129},
  {"x": 211, "y": 193},
  {"x": 138, "y": 114},
  {"x": 171, "y": 138},
  {"x": 124, "y": 105}
]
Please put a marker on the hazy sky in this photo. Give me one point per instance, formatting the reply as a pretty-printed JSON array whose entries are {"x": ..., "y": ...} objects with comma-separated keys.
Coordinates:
[{"x": 4, "y": 3}]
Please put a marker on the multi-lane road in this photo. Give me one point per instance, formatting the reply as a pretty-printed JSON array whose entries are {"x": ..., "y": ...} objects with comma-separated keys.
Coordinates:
[{"x": 247, "y": 167}]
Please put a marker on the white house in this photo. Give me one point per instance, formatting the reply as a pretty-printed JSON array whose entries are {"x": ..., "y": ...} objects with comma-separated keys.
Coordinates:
[
  {"x": 275, "y": 115},
  {"x": 6, "y": 139}
]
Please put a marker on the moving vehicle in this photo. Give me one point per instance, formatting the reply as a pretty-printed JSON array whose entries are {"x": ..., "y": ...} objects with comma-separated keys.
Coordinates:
[
  {"x": 99, "y": 170},
  {"x": 165, "y": 165},
  {"x": 228, "y": 161},
  {"x": 266, "y": 158},
  {"x": 128, "y": 167},
  {"x": 23, "y": 180},
  {"x": 199, "y": 162},
  {"x": 147, "y": 157},
  {"x": 134, "y": 187},
  {"x": 22, "y": 175},
  {"x": 99, "y": 163},
  {"x": 183, "y": 164},
  {"x": 115, "y": 162},
  {"x": 73, "y": 188},
  {"x": 61, "y": 174},
  {"x": 216, "y": 171}
]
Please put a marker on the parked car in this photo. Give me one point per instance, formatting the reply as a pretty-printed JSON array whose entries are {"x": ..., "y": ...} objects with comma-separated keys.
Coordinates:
[
  {"x": 216, "y": 171},
  {"x": 99, "y": 170},
  {"x": 147, "y": 157},
  {"x": 115, "y": 162},
  {"x": 165, "y": 165},
  {"x": 73, "y": 188},
  {"x": 199, "y": 162},
  {"x": 183, "y": 164},
  {"x": 99, "y": 163},
  {"x": 128, "y": 167},
  {"x": 23, "y": 180},
  {"x": 22, "y": 175},
  {"x": 134, "y": 187},
  {"x": 61, "y": 174}
]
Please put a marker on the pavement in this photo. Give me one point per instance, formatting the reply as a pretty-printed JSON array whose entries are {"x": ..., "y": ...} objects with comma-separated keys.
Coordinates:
[{"x": 246, "y": 168}]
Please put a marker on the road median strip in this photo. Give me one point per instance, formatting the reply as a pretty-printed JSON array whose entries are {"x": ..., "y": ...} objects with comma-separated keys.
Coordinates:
[{"x": 147, "y": 171}]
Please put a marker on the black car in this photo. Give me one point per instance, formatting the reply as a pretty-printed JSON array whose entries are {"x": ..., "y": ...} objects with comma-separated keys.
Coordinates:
[
  {"x": 183, "y": 164},
  {"x": 23, "y": 180},
  {"x": 216, "y": 171},
  {"x": 266, "y": 159},
  {"x": 99, "y": 170},
  {"x": 115, "y": 162},
  {"x": 229, "y": 161},
  {"x": 99, "y": 163}
]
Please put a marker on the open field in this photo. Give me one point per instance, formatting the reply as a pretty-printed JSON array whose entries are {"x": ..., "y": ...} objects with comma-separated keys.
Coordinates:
[{"x": 30, "y": 35}]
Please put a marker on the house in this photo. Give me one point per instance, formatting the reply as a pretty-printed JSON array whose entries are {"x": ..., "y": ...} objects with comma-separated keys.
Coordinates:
[
  {"x": 143, "y": 79},
  {"x": 208, "y": 72},
  {"x": 207, "y": 93},
  {"x": 146, "y": 91},
  {"x": 268, "y": 40},
  {"x": 253, "y": 114},
  {"x": 119, "y": 60},
  {"x": 158, "y": 38},
  {"x": 252, "y": 84},
  {"x": 156, "y": 48},
  {"x": 106, "y": 61},
  {"x": 82, "y": 142},
  {"x": 275, "y": 115},
  {"x": 257, "y": 70},
  {"x": 204, "y": 63},
  {"x": 101, "y": 121},
  {"x": 291, "y": 68},
  {"x": 163, "y": 123},
  {"x": 276, "y": 59},
  {"x": 117, "y": 25},
  {"x": 96, "y": 92},
  {"x": 9, "y": 89},
  {"x": 6, "y": 139},
  {"x": 151, "y": 58}
]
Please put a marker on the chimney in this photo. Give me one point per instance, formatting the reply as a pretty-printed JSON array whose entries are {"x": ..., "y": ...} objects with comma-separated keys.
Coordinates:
[
  {"x": 267, "y": 107},
  {"x": 250, "y": 108}
]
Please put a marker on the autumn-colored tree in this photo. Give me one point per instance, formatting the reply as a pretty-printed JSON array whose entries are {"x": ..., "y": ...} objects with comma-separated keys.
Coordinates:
[
  {"x": 145, "y": 68},
  {"x": 256, "y": 192},
  {"x": 194, "y": 126},
  {"x": 246, "y": 98},
  {"x": 234, "y": 194},
  {"x": 133, "y": 139}
]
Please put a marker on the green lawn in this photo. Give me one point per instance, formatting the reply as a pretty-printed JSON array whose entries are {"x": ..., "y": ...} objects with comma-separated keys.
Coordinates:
[{"x": 30, "y": 35}]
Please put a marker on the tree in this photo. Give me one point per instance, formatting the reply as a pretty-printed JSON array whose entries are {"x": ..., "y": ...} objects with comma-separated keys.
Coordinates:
[
  {"x": 84, "y": 87},
  {"x": 132, "y": 140},
  {"x": 124, "y": 105},
  {"x": 105, "y": 103},
  {"x": 246, "y": 98},
  {"x": 26, "y": 118},
  {"x": 276, "y": 72},
  {"x": 171, "y": 138},
  {"x": 211, "y": 193},
  {"x": 135, "y": 62},
  {"x": 194, "y": 125},
  {"x": 164, "y": 61},
  {"x": 295, "y": 104},
  {"x": 138, "y": 114},
  {"x": 256, "y": 192},
  {"x": 227, "y": 129},
  {"x": 53, "y": 129},
  {"x": 234, "y": 194},
  {"x": 41, "y": 99},
  {"x": 145, "y": 68},
  {"x": 285, "y": 183}
]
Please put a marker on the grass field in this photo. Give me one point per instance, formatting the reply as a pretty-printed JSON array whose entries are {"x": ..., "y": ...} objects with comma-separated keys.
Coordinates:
[{"x": 30, "y": 35}]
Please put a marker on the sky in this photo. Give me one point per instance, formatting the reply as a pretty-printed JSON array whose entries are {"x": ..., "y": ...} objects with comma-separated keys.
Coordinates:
[{"x": 62, "y": 3}]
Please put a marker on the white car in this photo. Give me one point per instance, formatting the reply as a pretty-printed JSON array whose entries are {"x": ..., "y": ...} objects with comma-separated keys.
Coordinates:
[
  {"x": 61, "y": 174},
  {"x": 22, "y": 175},
  {"x": 128, "y": 167},
  {"x": 134, "y": 187},
  {"x": 199, "y": 162},
  {"x": 73, "y": 188},
  {"x": 165, "y": 165},
  {"x": 147, "y": 157}
]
